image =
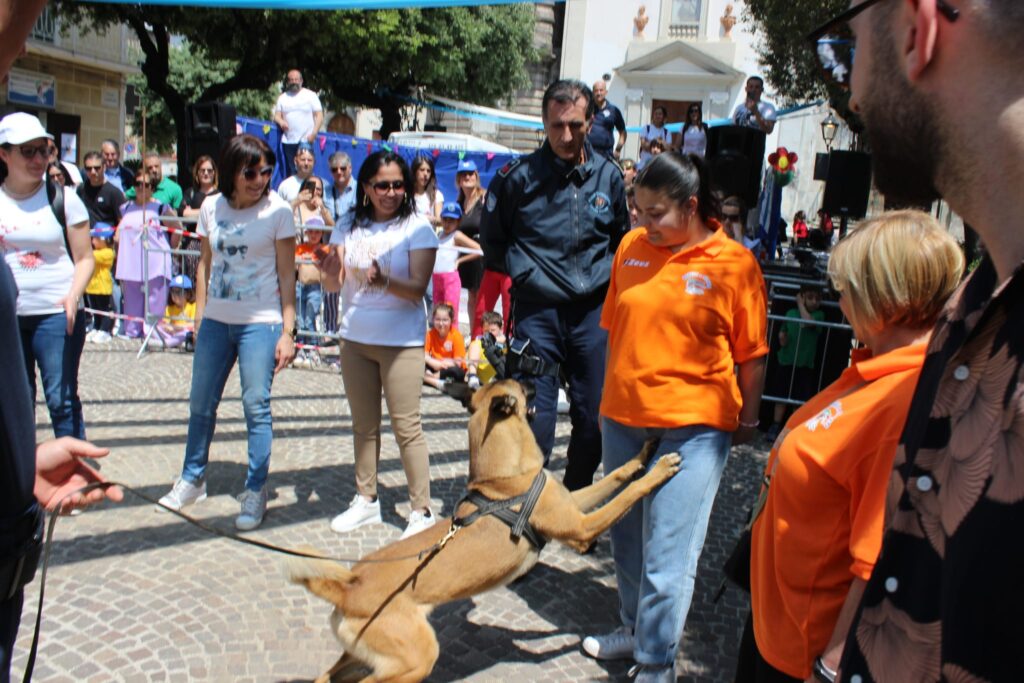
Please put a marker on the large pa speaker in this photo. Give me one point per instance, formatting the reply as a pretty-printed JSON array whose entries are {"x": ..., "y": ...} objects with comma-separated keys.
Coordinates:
[
  {"x": 735, "y": 157},
  {"x": 210, "y": 126},
  {"x": 848, "y": 184}
]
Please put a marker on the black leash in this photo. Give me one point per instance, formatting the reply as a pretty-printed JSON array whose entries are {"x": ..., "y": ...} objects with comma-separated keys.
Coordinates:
[{"x": 47, "y": 545}]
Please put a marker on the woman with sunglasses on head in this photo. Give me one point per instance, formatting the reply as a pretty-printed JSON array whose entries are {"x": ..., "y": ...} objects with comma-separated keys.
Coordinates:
[
  {"x": 695, "y": 132},
  {"x": 204, "y": 184},
  {"x": 51, "y": 281},
  {"x": 141, "y": 238},
  {"x": 383, "y": 267},
  {"x": 245, "y": 312}
]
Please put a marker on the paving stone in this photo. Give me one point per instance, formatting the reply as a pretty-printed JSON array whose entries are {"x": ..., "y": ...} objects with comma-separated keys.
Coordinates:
[{"x": 134, "y": 595}]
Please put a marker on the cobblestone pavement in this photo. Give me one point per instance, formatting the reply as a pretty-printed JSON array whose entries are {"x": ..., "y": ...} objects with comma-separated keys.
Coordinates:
[{"x": 135, "y": 595}]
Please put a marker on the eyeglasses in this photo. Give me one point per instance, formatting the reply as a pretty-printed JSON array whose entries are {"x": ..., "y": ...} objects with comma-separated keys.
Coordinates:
[
  {"x": 93, "y": 169},
  {"x": 31, "y": 152},
  {"x": 835, "y": 43},
  {"x": 251, "y": 173},
  {"x": 338, "y": 169},
  {"x": 381, "y": 187},
  {"x": 140, "y": 183},
  {"x": 206, "y": 170}
]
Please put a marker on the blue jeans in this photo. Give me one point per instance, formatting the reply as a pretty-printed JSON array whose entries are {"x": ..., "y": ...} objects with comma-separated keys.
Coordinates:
[
  {"x": 218, "y": 345},
  {"x": 571, "y": 335},
  {"x": 657, "y": 544},
  {"x": 46, "y": 343},
  {"x": 307, "y": 308}
]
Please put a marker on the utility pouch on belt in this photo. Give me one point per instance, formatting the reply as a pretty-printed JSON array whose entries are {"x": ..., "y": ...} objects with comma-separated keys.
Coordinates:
[{"x": 520, "y": 361}]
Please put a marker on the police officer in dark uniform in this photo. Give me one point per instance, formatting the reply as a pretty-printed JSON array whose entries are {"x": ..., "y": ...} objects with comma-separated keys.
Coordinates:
[{"x": 553, "y": 220}]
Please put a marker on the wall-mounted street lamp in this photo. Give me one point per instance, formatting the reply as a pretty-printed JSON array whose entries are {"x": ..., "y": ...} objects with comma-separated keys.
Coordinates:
[{"x": 829, "y": 129}]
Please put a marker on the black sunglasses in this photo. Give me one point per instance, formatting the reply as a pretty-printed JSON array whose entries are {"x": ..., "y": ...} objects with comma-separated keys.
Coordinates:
[
  {"x": 336, "y": 169},
  {"x": 383, "y": 186},
  {"x": 251, "y": 173},
  {"x": 835, "y": 43},
  {"x": 31, "y": 152},
  {"x": 93, "y": 168},
  {"x": 142, "y": 183}
]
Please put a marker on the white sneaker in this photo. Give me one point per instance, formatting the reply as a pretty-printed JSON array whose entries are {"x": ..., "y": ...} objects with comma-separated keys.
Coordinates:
[
  {"x": 615, "y": 645},
  {"x": 182, "y": 494},
  {"x": 563, "y": 402},
  {"x": 418, "y": 522},
  {"x": 360, "y": 512},
  {"x": 90, "y": 335},
  {"x": 254, "y": 504},
  {"x": 101, "y": 337}
]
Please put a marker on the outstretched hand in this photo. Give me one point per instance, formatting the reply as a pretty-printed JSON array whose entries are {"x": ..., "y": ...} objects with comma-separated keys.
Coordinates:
[{"x": 60, "y": 471}]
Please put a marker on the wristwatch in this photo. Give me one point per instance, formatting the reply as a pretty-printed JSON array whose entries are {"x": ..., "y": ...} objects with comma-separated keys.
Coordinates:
[
  {"x": 822, "y": 673},
  {"x": 293, "y": 333}
]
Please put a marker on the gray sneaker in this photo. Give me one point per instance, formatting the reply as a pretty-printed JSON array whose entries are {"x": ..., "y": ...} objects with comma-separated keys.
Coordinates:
[
  {"x": 648, "y": 673},
  {"x": 182, "y": 494},
  {"x": 615, "y": 645},
  {"x": 254, "y": 504}
]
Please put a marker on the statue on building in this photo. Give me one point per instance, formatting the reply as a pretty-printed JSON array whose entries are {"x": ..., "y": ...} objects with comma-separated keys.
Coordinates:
[
  {"x": 728, "y": 21},
  {"x": 640, "y": 22}
]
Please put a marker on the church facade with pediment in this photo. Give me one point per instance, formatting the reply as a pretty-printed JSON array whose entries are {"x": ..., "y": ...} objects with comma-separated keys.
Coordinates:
[{"x": 667, "y": 53}]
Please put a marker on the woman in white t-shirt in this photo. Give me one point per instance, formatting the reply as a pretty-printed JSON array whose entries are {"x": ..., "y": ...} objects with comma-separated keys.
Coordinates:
[
  {"x": 50, "y": 281},
  {"x": 383, "y": 268},
  {"x": 427, "y": 199},
  {"x": 245, "y": 312},
  {"x": 695, "y": 132}
]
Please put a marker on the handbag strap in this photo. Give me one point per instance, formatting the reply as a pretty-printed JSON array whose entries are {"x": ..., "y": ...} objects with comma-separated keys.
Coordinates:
[{"x": 773, "y": 463}]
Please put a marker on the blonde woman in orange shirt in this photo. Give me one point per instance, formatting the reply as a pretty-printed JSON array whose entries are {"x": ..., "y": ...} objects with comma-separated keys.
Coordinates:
[
  {"x": 817, "y": 537},
  {"x": 686, "y": 307}
]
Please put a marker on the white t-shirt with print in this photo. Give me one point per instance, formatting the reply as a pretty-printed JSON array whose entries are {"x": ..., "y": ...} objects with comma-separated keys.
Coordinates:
[
  {"x": 243, "y": 273},
  {"x": 651, "y": 132},
  {"x": 32, "y": 242},
  {"x": 369, "y": 315},
  {"x": 298, "y": 112}
]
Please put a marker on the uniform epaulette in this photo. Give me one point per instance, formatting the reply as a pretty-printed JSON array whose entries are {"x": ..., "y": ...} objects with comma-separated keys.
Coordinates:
[
  {"x": 616, "y": 164},
  {"x": 509, "y": 167}
]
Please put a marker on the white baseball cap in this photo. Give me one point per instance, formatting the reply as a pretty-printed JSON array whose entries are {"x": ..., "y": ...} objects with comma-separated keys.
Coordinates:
[{"x": 19, "y": 128}]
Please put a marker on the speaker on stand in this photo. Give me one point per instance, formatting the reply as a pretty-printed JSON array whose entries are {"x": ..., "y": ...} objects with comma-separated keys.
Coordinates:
[
  {"x": 735, "y": 157},
  {"x": 847, "y": 186},
  {"x": 210, "y": 126}
]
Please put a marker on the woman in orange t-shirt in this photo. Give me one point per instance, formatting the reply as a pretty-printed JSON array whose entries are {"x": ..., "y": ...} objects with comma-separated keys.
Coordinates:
[
  {"x": 819, "y": 529},
  {"x": 686, "y": 305}
]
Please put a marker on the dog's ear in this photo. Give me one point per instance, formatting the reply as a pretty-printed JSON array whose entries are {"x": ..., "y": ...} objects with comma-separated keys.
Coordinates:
[{"x": 504, "y": 404}]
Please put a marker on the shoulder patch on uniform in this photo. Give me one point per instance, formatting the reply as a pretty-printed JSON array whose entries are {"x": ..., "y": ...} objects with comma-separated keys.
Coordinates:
[{"x": 509, "y": 167}]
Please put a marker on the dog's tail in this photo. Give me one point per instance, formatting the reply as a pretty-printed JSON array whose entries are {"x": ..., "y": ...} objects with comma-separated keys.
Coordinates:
[{"x": 323, "y": 578}]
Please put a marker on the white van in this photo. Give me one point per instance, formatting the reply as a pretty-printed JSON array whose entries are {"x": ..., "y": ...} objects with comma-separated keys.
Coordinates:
[{"x": 447, "y": 142}]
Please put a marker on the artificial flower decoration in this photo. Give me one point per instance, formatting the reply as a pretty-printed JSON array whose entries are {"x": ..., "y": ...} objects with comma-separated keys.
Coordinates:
[{"x": 783, "y": 163}]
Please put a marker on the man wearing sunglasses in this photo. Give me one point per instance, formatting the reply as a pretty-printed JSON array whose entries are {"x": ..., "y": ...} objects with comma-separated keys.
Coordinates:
[
  {"x": 163, "y": 190},
  {"x": 938, "y": 85},
  {"x": 101, "y": 198}
]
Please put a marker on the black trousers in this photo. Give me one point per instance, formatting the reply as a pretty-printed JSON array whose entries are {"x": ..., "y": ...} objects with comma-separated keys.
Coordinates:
[{"x": 751, "y": 666}]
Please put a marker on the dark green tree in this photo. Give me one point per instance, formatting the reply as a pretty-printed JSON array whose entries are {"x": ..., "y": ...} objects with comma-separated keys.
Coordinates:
[
  {"x": 790, "y": 63},
  {"x": 191, "y": 72},
  {"x": 369, "y": 58}
]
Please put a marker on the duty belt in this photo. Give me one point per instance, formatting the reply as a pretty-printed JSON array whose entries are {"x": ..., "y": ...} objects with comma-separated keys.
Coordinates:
[{"x": 519, "y": 522}]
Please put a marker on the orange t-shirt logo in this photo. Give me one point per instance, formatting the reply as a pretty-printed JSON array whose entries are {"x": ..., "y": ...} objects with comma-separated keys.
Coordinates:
[
  {"x": 826, "y": 417},
  {"x": 696, "y": 283}
]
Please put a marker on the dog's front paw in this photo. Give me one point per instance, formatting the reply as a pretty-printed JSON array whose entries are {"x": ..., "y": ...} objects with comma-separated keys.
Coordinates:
[{"x": 665, "y": 468}]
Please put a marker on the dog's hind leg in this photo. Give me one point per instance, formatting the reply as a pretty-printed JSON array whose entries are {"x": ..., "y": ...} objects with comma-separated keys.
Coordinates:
[
  {"x": 347, "y": 668},
  {"x": 589, "y": 497},
  {"x": 403, "y": 644}
]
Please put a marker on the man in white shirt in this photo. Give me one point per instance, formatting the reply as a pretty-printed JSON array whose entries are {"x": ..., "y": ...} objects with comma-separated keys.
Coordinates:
[
  {"x": 753, "y": 113},
  {"x": 655, "y": 130},
  {"x": 299, "y": 114},
  {"x": 290, "y": 188}
]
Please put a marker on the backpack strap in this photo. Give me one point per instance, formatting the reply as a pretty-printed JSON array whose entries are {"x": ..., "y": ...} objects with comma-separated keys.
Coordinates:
[{"x": 55, "y": 197}]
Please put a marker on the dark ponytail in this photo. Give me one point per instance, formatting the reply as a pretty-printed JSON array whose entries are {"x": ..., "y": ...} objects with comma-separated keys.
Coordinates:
[{"x": 680, "y": 177}]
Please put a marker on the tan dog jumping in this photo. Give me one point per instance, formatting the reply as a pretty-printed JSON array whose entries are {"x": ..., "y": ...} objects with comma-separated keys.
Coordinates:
[{"x": 381, "y": 609}]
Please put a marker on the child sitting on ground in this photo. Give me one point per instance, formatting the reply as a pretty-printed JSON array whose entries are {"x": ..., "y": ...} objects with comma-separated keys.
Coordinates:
[
  {"x": 99, "y": 291},
  {"x": 445, "y": 350},
  {"x": 447, "y": 286},
  {"x": 795, "y": 375},
  {"x": 308, "y": 290},
  {"x": 179, "y": 323},
  {"x": 481, "y": 371}
]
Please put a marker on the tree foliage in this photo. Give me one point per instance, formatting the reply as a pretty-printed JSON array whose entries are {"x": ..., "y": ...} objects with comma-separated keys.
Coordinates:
[
  {"x": 191, "y": 72},
  {"x": 369, "y": 58},
  {"x": 790, "y": 63}
]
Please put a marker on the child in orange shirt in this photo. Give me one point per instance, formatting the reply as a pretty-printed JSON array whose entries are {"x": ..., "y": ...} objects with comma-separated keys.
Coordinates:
[
  {"x": 308, "y": 292},
  {"x": 445, "y": 350}
]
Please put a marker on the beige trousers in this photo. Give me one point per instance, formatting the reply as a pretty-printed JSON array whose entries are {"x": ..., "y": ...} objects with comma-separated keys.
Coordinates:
[{"x": 366, "y": 370}]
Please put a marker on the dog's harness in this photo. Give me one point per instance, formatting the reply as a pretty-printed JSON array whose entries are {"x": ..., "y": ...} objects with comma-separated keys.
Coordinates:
[{"x": 519, "y": 522}]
